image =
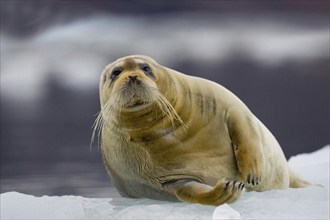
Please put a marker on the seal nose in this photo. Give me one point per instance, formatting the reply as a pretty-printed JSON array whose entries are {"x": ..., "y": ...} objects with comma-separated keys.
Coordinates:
[{"x": 133, "y": 78}]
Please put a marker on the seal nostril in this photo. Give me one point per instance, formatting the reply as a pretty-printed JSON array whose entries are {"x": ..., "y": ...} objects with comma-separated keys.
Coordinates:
[{"x": 133, "y": 78}]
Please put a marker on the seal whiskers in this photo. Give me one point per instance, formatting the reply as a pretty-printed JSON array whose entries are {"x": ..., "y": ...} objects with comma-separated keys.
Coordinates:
[
  {"x": 99, "y": 123},
  {"x": 168, "y": 110}
]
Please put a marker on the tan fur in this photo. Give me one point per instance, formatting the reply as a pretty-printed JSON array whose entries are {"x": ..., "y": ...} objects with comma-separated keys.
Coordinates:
[{"x": 171, "y": 136}]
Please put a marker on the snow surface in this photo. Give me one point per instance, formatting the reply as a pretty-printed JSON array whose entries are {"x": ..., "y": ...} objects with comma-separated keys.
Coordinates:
[{"x": 306, "y": 203}]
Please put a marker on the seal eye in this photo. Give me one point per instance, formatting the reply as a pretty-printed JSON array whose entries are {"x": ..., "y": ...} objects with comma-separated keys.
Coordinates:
[
  {"x": 147, "y": 69},
  {"x": 115, "y": 73}
]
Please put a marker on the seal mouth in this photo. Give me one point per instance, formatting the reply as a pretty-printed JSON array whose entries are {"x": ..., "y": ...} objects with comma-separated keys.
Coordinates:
[
  {"x": 136, "y": 103},
  {"x": 139, "y": 106}
]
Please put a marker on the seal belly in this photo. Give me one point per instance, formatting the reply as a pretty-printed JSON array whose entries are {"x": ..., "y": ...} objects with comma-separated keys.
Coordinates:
[{"x": 136, "y": 189}]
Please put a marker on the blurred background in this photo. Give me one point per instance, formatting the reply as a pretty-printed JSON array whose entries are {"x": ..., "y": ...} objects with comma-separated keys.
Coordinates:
[{"x": 274, "y": 55}]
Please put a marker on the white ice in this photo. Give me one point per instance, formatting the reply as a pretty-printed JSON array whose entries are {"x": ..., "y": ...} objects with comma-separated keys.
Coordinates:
[
  {"x": 92, "y": 43},
  {"x": 306, "y": 203}
]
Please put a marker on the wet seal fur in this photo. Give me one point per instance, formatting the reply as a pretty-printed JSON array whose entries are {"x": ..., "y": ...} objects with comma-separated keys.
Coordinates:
[{"x": 169, "y": 136}]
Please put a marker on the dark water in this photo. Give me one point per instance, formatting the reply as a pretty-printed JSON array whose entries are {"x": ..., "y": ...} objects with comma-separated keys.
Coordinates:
[
  {"x": 47, "y": 151},
  {"x": 51, "y": 157}
]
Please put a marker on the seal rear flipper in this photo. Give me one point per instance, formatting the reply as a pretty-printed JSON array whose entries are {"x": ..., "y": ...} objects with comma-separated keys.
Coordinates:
[
  {"x": 298, "y": 182},
  {"x": 223, "y": 192}
]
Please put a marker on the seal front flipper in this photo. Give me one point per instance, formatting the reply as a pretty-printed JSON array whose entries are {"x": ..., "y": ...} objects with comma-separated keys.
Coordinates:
[
  {"x": 247, "y": 146},
  {"x": 195, "y": 192}
]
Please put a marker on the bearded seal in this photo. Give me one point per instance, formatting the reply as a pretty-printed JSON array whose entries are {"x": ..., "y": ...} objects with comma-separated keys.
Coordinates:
[{"x": 169, "y": 136}]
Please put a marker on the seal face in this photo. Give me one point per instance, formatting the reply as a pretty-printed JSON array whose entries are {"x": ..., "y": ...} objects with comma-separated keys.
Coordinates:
[{"x": 169, "y": 136}]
